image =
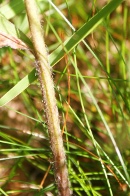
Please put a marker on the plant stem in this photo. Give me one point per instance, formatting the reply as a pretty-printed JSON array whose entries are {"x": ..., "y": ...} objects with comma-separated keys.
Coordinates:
[{"x": 49, "y": 100}]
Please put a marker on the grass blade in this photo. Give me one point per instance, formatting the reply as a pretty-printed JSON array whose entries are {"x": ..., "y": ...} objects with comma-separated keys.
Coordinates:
[
  {"x": 59, "y": 53},
  {"x": 18, "y": 88}
]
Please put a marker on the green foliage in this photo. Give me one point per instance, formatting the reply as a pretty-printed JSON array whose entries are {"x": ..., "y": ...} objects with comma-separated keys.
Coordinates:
[{"x": 91, "y": 75}]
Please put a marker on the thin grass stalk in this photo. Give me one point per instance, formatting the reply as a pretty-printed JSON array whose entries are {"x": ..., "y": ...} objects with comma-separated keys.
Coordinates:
[{"x": 49, "y": 100}]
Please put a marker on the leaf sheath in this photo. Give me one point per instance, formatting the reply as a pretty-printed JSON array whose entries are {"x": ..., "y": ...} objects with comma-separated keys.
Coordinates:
[{"x": 49, "y": 100}]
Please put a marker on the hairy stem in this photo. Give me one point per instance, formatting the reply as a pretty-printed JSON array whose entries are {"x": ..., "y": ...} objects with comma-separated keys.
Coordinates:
[{"x": 49, "y": 100}]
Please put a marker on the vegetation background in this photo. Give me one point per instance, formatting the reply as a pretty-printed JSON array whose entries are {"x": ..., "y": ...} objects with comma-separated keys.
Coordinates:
[{"x": 92, "y": 85}]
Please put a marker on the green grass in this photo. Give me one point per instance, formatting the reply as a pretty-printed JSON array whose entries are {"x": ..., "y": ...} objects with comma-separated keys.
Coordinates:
[{"x": 90, "y": 63}]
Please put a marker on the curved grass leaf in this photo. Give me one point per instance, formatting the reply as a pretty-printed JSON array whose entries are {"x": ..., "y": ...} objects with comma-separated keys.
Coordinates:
[
  {"x": 59, "y": 53},
  {"x": 9, "y": 40}
]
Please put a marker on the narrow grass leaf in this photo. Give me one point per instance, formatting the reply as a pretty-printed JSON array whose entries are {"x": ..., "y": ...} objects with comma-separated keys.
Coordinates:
[
  {"x": 59, "y": 53},
  {"x": 18, "y": 88},
  {"x": 84, "y": 31},
  {"x": 4, "y": 193}
]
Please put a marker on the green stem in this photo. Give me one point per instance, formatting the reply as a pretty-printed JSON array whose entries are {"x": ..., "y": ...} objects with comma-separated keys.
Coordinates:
[{"x": 49, "y": 100}]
